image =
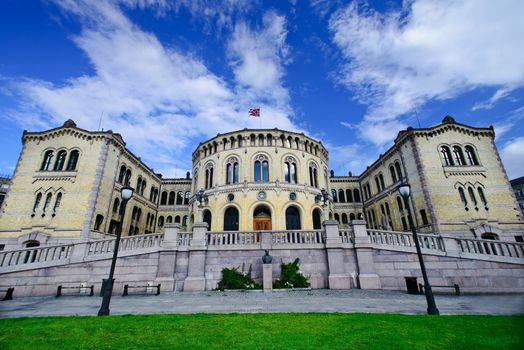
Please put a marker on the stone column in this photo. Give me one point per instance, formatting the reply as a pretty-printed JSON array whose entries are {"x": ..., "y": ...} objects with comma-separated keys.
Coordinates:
[
  {"x": 196, "y": 280},
  {"x": 451, "y": 246},
  {"x": 337, "y": 278},
  {"x": 364, "y": 254},
  {"x": 167, "y": 257}
]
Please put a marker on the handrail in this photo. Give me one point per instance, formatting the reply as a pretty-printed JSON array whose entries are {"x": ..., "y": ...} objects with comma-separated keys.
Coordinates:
[
  {"x": 405, "y": 239},
  {"x": 491, "y": 247},
  {"x": 35, "y": 255}
]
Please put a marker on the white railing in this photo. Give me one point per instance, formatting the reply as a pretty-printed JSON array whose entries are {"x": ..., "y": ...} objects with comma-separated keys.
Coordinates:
[
  {"x": 183, "y": 238},
  {"x": 35, "y": 255},
  {"x": 405, "y": 239},
  {"x": 129, "y": 243},
  {"x": 233, "y": 238},
  {"x": 491, "y": 247},
  {"x": 347, "y": 236},
  {"x": 298, "y": 236}
]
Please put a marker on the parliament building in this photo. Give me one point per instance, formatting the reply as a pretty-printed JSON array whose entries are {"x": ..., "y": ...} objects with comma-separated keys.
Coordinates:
[{"x": 67, "y": 182}]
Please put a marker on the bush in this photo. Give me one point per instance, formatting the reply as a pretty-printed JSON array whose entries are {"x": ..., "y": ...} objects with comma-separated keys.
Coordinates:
[
  {"x": 234, "y": 279},
  {"x": 291, "y": 277}
]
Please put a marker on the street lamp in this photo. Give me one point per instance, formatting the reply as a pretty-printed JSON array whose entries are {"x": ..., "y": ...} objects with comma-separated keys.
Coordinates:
[
  {"x": 324, "y": 197},
  {"x": 127, "y": 193},
  {"x": 200, "y": 197},
  {"x": 404, "y": 189}
]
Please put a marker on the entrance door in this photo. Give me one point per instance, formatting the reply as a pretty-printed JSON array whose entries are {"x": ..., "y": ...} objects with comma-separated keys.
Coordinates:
[{"x": 262, "y": 223}]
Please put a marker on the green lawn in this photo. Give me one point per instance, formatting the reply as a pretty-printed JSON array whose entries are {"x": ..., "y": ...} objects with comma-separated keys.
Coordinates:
[{"x": 264, "y": 331}]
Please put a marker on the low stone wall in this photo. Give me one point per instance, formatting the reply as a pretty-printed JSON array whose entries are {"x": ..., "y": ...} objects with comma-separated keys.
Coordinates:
[{"x": 470, "y": 275}]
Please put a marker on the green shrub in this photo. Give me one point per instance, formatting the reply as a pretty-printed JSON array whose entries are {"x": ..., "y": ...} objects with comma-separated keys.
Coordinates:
[
  {"x": 234, "y": 279},
  {"x": 291, "y": 277}
]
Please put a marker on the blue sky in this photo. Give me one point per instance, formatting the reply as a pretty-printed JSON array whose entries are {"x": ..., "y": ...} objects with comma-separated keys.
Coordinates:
[{"x": 169, "y": 74}]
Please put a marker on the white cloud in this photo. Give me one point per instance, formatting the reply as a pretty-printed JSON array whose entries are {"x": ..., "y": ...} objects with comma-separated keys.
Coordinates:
[
  {"x": 160, "y": 99},
  {"x": 509, "y": 122},
  {"x": 512, "y": 155},
  {"x": 431, "y": 50},
  {"x": 490, "y": 103}
]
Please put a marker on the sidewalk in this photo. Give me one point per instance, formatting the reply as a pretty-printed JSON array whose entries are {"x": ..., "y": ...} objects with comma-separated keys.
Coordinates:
[{"x": 320, "y": 300}]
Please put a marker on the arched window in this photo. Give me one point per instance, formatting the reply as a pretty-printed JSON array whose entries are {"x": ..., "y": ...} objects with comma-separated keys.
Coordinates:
[
  {"x": 232, "y": 141},
  {"x": 459, "y": 156},
  {"x": 399, "y": 171},
  {"x": 58, "y": 200},
  {"x": 252, "y": 138},
  {"x": 127, "y": 180},
  {"x": 334, "y": 195},
  {"x": 269, "y": 139},
  {"x": 341, "y": 196},
  {"x": 463, "y": 197},
  {"x": 400, "y": 204},
  {"x": 290, "y": 170},
  {"x": 180, "y": 198},
  {"x": 470, "y": 154},
  {"x": 185, "y": 221},
  {"x": 171, "y": 200},
  {"x": 160, "y": 221},
  {"x": 231, "y": 219},
  {"x": 48, "y": 157},
  {"x": 446, "y": 156},
  {"x": 139, "y": 185},
  {"x": 73, "y": 160},
  {"x": 60, "y": 160},
  {"x": 163, "y": 198},
  {"x": 47, "y": 201},
  {"x": 98, "y": 222},
  {"x": 209, "y": 176},
  {"x": 313, "y": 178},
  {"x": 337, "y": 218},
  {"x": 349, "y": 196},
  {"x": 261, "y": 168},
  {"x": 482, "y": 196},
  {"x": 144, "y": 184},
  {"x": 381, "y": 179},
  {"x": 351, "y": 217},
  {"x": 207, "y": 218},
  {"x": 37, "y": 201},
  {"x": 122, "y": 174},
  {"x": 261, "y": 140},
  {"x": 393, "y": 175},
  {"x": 472, "y": 196},
  {"x": 344, "y": 218},
  {"x": 292, "y": 218},
  {"x": 232, "y": 171},
  {"x": 169, "y": 220},
  {"x": 377, "y": 183},
  {"x": 356, "y": 195},
  {"x": 177, "y": 219},
  {"x": 317, "y": 225},
  {"x": 240, "y": 143},
  {"x": 187, "y": 197}
]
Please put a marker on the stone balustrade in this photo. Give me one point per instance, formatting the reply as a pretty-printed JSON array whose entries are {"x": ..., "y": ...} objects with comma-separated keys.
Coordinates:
[
  {"x": 405, "y": 239},
  {"x": 233, "y": 238},
  {"x": 298, "y": 237},
  {"x": 183, "y": 238},
  {"x": 491, "y": 247},
  {"x": 130, "y": 243},
  {"x": 35, "y": 255},
  {"x": 347, "y": 236}
]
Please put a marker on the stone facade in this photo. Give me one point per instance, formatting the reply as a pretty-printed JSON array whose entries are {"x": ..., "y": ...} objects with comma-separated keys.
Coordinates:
[{"x": 67, "y": 182}]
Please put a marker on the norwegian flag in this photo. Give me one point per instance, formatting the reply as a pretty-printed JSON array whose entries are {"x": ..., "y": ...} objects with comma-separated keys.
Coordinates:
[{"x": 254, "y": 112}]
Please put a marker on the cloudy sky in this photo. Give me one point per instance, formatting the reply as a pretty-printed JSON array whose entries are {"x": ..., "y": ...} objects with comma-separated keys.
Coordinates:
[{"x": 169, "y": 74}]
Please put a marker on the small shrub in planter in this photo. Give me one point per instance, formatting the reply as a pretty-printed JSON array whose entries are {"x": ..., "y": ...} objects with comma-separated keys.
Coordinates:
[
  {"x": 291, "y": 277},
  {"x": 234, "y": 279}
]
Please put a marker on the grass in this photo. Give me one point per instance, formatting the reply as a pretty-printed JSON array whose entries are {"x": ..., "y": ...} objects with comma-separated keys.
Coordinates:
[{"x": 264, "y": 331}]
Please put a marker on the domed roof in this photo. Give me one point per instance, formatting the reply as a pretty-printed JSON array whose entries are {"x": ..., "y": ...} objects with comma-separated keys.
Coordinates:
[{"x": 69, "y": 124}]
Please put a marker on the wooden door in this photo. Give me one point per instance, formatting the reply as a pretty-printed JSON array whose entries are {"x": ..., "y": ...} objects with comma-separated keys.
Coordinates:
[{"x": 262, "y": 223}]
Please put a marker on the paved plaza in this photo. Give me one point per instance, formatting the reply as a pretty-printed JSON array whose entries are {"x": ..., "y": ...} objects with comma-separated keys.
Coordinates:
[{"x": 320, "y": 300}]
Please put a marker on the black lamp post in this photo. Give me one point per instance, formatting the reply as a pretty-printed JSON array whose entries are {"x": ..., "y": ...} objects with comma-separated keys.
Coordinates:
[
  {"x": 405, "y": 190},
  {"x": 324, "y": 197},
  {"x": 127, "y": 193},
  {"x": 200, "y": 197}
]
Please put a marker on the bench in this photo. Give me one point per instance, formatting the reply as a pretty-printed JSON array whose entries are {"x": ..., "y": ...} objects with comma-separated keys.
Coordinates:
[
  {"x": 455, "y": 286},
  {"x": 82, "y": 289},
  {"x": 148, "y": 289},
  {"x": 8, "y": 292}
]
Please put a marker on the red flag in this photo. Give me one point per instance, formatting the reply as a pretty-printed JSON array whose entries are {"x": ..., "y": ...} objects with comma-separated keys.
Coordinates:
[{"x": 254, "y": 112}]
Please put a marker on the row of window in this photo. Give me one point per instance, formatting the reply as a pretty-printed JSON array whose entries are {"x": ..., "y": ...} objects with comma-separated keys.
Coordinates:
[
  {"x": 345, "y": 219},
  {"x": 260, "y": 171},
  {"x": 380, "y": 184},
  {"x": 59, "y": 164},
  {"x": 124, "y": 177},
  {"x": 347, "y": 196},
  {"x": 261, "y": 140},
  {"x": 472, "y": 196},
  {"x": 454, "y": 156},
  {"x": 169, "y": 198},
  {"x": 386, "y": 219},
  {"x": 47, "y": 203},
  {"x": 169, "y": 219}
]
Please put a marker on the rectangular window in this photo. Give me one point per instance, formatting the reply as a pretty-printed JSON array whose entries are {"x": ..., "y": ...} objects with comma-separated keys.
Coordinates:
[{"x": 424, "y": 217}]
